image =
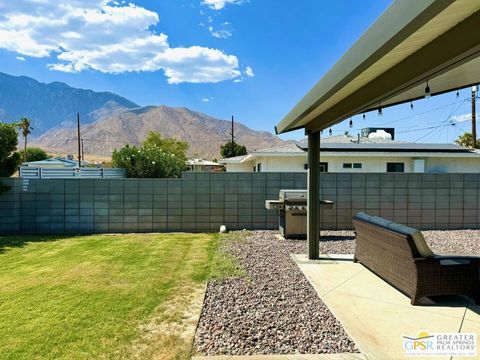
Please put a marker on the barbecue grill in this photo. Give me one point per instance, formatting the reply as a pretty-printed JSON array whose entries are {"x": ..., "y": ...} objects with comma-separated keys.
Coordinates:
[{"x": 291, "y": 208}]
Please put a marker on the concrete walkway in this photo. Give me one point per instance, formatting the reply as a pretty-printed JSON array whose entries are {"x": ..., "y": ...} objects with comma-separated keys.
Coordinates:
[{"x": 376, "y": 315}]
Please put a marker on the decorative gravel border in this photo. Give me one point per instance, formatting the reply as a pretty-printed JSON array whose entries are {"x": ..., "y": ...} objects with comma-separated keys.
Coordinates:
[{"x": 274, "y": 310}]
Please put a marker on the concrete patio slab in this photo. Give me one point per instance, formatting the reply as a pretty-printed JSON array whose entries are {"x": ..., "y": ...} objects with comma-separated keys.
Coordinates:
[{"x": 375, "y": 314}]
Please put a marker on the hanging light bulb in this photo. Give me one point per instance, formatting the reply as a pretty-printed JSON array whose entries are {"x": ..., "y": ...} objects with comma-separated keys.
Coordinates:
[
  {"x": 458, "y": 94},
  {"x": 321, "y": 132},
  {"x": 427, "y": 91},
  {"x": 364, "y": 116},
  {"x": 330, "y": 131},
  {"x": 411, "y": 105},
  {"x": 380, "y": 112},
  {"x": 350, "y": 123}
]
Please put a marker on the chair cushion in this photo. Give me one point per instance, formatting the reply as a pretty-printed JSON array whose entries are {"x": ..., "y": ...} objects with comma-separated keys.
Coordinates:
[
  {"x": 377, "y": 220},
  {"x": 363, "y": 216},
  {"x": 417, "y": 237}
]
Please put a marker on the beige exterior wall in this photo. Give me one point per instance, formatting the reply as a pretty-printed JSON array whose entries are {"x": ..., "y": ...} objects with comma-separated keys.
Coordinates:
[{"x": 376, "y": 164}]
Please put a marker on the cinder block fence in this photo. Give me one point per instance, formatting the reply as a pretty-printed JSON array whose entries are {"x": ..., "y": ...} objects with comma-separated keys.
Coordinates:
[{"x": 201, "y": 202}]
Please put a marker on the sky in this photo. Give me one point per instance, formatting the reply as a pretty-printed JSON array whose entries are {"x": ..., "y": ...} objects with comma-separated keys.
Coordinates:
[{"x": 254, "y": 59}]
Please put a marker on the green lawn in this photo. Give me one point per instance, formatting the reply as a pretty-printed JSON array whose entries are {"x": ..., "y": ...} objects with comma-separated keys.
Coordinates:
[{"x": 104, "y": 296}]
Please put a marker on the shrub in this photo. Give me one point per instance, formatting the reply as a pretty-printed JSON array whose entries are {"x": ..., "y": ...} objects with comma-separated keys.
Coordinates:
[{"x": 156, "y": 158}]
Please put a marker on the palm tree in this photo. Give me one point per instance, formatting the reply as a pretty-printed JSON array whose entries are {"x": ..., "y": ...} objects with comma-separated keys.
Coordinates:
[
  {"x": 466, "y": 140},
  {"x": 24, "y": 125}
]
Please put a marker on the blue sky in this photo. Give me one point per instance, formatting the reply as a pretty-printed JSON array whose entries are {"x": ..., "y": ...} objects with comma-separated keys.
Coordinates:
[{"x": 253, "y": 59}]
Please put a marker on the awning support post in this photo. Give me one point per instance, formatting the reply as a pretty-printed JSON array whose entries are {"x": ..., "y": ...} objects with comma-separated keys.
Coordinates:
[{"x": 313, "y": 200}]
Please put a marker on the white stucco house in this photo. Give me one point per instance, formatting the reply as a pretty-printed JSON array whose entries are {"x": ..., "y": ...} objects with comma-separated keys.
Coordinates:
[{"x": 364, "y": 153}]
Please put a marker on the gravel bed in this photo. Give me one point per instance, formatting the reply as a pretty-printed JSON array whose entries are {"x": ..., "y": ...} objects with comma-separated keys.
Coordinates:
[{"x": 274, "y": 310}]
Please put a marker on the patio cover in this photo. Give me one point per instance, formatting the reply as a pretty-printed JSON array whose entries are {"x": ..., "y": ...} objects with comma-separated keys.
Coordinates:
[{"x": 410, "y": 44}]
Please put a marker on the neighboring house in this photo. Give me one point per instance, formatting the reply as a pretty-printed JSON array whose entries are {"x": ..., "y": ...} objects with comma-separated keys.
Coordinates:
[
  {"x": 53, "y": 163},
  {"x": 60, "y": 168},
  {"x": 204, "y": 165},
  {"x": 371, "y": 152}
]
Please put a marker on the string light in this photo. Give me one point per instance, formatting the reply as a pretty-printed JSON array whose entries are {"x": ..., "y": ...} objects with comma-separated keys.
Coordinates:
[
  {"x": 330, "y": 131},
  {"x": 364, "y": 116},
  {"x": 427, "y": 91},
  {"x": 411, "y": 105},
  {"x": 380, "y": 112},
  {"x": 350, "y": 123},
  {"x": 458, "y": 94}
]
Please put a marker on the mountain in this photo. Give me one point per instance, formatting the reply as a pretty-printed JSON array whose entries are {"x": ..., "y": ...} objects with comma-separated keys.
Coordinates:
[
  {"x": 117, "y": 127},
  {"x": 49, "y": 105}
]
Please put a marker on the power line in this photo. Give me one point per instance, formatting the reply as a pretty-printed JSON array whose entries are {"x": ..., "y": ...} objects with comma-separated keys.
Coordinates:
[{"x": 447, "y": 119}]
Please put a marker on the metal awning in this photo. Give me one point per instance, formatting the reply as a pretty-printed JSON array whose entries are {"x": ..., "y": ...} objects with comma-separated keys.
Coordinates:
[{"x": 411, "y": 44}]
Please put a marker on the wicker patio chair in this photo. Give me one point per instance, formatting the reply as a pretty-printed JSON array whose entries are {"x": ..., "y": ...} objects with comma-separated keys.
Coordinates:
[{"x": 399, "y": 255}]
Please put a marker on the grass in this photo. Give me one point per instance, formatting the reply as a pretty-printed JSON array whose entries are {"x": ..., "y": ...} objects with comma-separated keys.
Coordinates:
[{"x": 105, "y": 296}]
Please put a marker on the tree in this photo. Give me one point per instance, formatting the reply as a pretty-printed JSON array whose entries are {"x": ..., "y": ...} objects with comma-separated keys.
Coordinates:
[
  {"x": 154, "y": 138},
  {"x": 25, "y": 126},
  {"x": 157, "y": 158},
  {"x": 34, "y": 154},
  {"x": 466, "y": 140},
  {"x": 231, "y": 149},
  {"x": 9, "y": 159}
]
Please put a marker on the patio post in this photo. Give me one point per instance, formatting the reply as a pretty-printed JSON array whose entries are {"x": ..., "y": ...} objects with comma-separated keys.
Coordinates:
[{"x": 313, "y": 199}]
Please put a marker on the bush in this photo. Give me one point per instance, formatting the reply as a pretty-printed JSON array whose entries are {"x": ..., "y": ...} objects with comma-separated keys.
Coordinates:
[
  {"x": 154, "y": 159},
  {"x": 34, "y": 154}
]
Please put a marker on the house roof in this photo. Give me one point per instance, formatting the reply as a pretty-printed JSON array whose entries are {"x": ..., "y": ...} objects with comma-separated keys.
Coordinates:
[
  {"x": 411, "y": 44},
  {"x": 192, "y": 162},
  {"x": 288, "y": 149},
  {"x": 53, "y": 162},
  {"x": 349, "y": 143}
]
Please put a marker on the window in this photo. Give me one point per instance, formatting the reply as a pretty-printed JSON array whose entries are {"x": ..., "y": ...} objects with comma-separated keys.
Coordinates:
[
  {"x": 323, "y": 166},
  {"x": 259, "y": 167},
  {"x": 395, "y": 167},
  {"x": 352, "y": 166}
]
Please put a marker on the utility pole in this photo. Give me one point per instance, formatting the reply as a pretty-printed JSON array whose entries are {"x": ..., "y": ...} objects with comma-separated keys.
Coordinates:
[
  {"x": 83, "y": 148},
  {"x": 79, "y": 146},
  {"x": 232, "y": 132},
  {"x": 474, "y": 117}
]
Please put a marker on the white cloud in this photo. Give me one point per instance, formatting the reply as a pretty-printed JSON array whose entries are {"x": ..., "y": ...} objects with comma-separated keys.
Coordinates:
[
  {"x": 249, "y": 72},
  {"x": 222, "y": 32},
  {"x": 106, "y": 36},
  {"x": 207, "y": 99},
  {"x": 462, "y": 118},
  {"x": 21, "y": 58},
  {"x": 220, "y": 4}
]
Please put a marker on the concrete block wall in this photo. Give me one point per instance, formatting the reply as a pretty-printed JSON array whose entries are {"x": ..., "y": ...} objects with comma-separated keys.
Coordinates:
[
  {"x": 423, "y": 201},
  {"x": 10, "y": 207},
  {"x": 201, "y": 202},
  {"x": 198, "y": 202}
]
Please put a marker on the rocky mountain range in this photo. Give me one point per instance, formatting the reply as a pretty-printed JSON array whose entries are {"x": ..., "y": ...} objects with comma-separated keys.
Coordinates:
[
  {"x": 203, "y": 133},
  {"x": 53, "y": 104},
  {"x": 110, "y": 121}
]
